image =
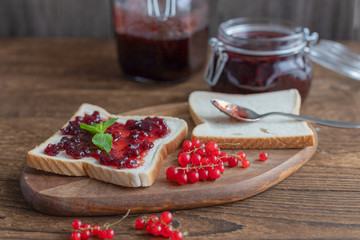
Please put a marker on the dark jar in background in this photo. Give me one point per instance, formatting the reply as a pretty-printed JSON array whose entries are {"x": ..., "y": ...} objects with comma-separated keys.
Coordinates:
[
  {"x": 161, "y": 40},
  {"x": 260, "y": 55}
]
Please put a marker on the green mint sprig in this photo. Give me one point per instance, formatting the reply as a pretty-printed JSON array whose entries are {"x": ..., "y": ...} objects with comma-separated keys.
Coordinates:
[{"x": 101, "y": 139}]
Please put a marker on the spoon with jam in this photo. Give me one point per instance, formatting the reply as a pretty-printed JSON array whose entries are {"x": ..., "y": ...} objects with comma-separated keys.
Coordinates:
[{"x": 243, "y": 114}]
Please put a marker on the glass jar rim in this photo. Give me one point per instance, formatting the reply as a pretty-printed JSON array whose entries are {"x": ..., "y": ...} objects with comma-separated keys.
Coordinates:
[{"x": 291, "y": 31}]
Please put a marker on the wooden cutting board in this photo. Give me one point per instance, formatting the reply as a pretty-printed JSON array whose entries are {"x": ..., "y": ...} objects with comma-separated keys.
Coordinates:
[{"x": 62, "y": 195}]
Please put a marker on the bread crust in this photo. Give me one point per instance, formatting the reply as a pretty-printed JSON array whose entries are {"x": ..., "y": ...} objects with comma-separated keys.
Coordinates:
[
  {"x": 260, "y": 143},
  {"x": 137, "y": 177}
]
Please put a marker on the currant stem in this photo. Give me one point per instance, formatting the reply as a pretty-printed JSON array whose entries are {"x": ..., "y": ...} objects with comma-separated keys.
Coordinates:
[
  {"x": 194, "y": 150},
  {"x": 230, "y": 155},
  {"x": 233, "y": 155},
  {"x": 197, "y": 167},
  {"x": 106, "y": 226},
  {"x": 168, "y": 225}
]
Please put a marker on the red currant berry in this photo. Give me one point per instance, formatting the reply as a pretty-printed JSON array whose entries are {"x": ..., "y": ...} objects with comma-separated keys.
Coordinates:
[
  {"x": 85, "y": 235},
  {"x": 193, "y": 176},
  {"x": 216, "y": 153},
  {"x": 177, "y": 235},
  {"x": 221, "y": 166},
  {"x": 171, "y": 173},
  {"x": 184, "y": 159},
  {"x": 233, "y": 161},
  {"x": 102, "y": 234},
  {"x": 182, "y": 178},
  {"x": 213, "y": 159},
  {"x": 242, "y": 156},
  {"x": 205, "y": 161},
  {"x": 195, "y": 159},
  {"x": 211, "y": 146},
  {"x": 224, "y": 157},
  {"x": 214, "y": 173},
  {"x": 263, "y": 156},
  {"x": 166, "y": 217},
  {"x": 208, "y": 168},
  {"x": 201, "y": 152},
  {"x": 86, "y": 226},
  {"x": 157, "y": 229},
  {"x": 75, "y": 236},
  {"x": 187, "y": 145},
  {"x": 110, "y": 234},
  {"x": 153, "y": 218},
  {"x": 95, "y": 230},
  {"x": 150, "y": 228},
  {"x": 203, "y": 174},
  {"x": 167, "y": 231},
  {"x": 76, "y": 224},
  {"x": 196, "y": 143},
  {"x": 180, "y": 152},
  {"x": 140, "y": 223},
  {"x": 245, "y": 163}
]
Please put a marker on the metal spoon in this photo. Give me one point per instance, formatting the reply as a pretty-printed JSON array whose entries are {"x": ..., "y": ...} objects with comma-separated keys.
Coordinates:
[{"x": 246, "y": 115}]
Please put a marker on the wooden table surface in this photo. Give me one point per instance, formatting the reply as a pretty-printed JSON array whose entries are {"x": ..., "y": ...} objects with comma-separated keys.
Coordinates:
[{"x": 43, "y": 81}]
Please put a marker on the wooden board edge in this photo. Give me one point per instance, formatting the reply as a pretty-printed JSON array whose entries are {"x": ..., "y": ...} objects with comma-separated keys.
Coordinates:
[{"x": 263, "y": 182}]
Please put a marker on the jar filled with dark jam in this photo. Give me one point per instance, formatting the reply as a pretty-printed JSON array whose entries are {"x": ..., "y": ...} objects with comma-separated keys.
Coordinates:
[
  {"x": 161, "y": 40},
  {"x": 260, "y": 55}
]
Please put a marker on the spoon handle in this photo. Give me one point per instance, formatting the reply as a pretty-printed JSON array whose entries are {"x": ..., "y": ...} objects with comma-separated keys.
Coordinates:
[{"x": 319, "y": 121}]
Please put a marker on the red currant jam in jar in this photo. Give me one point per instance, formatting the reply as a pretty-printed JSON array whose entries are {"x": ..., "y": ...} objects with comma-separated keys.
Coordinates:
[
  {"x": 256, "y": 55},
  {"x": 153, "y": 49},
  {"x": 131, "y": 141}
]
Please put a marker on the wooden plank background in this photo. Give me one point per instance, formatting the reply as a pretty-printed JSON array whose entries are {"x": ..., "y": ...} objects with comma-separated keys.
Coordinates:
[{"x": 332, "y": 19}]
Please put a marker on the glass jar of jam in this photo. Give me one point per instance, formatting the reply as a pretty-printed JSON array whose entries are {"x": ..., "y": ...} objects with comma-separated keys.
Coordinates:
[
  {"x": 161, "y": 40},
  {"x": 260, "y": 55}
]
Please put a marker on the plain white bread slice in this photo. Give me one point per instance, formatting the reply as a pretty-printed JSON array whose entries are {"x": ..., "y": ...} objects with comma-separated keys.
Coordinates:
[
  {"x": 270, "y": 132},
  {"x": 144, "y": 175}
]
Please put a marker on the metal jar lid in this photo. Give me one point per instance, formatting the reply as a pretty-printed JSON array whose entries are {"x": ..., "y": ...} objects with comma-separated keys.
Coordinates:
[{"x": 336, "y": 57}]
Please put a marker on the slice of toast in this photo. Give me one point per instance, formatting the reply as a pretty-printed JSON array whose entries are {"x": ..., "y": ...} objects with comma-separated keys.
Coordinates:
[
  {"x": 270, "y": 132},
  {"x": 143, "y": 175}
]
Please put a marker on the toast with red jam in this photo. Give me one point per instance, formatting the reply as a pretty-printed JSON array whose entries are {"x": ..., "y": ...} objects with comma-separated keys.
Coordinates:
[{"x": 139, "y": 144}]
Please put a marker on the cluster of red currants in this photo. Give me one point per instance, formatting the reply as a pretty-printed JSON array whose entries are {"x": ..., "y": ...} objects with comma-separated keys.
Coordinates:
[
  {"x": 160, "y": 226},
  {"x": 85, "y": 231},
  {"x": 199, "y": 161}
]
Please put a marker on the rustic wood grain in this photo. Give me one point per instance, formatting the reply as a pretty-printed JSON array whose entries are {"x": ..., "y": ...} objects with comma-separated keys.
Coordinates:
[
  {"x": 64, "y": 196},
  {"x": 333, "y": 19},
  {"x": 43, "y": 81}
]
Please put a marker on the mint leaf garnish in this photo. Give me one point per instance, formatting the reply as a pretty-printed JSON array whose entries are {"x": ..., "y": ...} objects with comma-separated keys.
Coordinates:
[
  {"x": 109, "y": 122},
  {"x": 91, "y": 128},
  {"x": 103, "y": 141},
  {"x": 100, "y": 139}
]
